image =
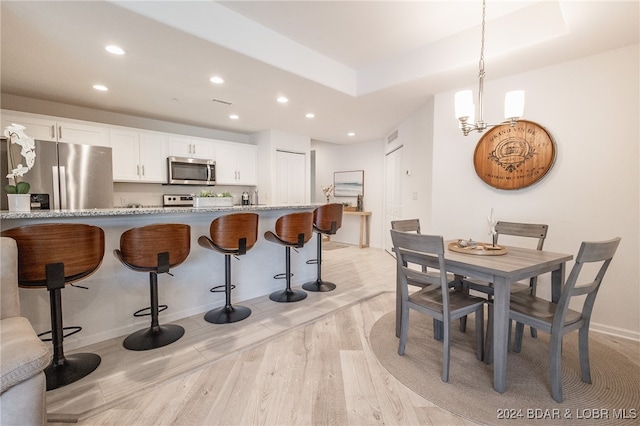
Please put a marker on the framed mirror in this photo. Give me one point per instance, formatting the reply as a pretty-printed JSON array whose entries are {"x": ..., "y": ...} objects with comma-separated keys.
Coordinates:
[{"x": 348, "y": 184}]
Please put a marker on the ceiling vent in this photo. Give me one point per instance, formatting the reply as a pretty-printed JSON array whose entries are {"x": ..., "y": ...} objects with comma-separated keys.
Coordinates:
[{"x": 392, "y": 137}]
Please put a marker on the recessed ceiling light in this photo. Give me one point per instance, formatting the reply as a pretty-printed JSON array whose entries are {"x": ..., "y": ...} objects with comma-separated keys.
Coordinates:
[
  {"x": 116, "y": 50},
  {"x": 100, "y": 87},
  {"x": 234, "y": 116},
  {"x": 310, "y": 115},
  {"x": 351, "y": 134},
  {"x": 216, "y": 79},
  {"x": 283, "y": 99}
]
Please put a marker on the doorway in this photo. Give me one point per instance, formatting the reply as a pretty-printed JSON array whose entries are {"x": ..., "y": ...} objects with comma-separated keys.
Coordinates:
[
  {"x": 392, "y": 193},
  {"x": 290, "y": 175}
]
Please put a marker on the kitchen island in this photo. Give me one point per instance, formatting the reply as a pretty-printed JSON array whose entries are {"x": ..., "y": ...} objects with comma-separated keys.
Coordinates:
[{"x": 105, "y": 310}]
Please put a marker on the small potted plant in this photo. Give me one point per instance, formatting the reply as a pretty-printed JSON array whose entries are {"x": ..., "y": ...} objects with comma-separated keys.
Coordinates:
[
  {"x": 18, "y": 192},
  {"x": 211, "y": 199},
  {"x": 328, "y": 192}
]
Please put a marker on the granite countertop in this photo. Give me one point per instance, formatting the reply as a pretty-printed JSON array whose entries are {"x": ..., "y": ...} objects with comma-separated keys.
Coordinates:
[{"x": 136, "y": 211}]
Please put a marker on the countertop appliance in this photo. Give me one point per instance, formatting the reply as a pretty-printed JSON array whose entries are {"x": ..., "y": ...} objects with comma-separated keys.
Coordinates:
[
  {"x": 177, "y": 200},
  {"x": 191, "y": 171},
  {"x": 74, "y": 176}
]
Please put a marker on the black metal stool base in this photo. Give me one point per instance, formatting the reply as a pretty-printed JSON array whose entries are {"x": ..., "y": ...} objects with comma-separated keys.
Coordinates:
[
  {"x": 153, "y": 337},
  {"x": 227, "y": 315},
  {"x": 286, "y": 296},
  {"x": 74, "y": 368},
  {"x": 319, "y": 285}
]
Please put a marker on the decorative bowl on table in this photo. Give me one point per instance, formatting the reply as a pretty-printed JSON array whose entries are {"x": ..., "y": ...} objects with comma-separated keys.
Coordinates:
[{"x": 474, "y": 247}]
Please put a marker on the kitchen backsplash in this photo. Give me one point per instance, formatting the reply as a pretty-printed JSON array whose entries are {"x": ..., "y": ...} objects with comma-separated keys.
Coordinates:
[{"x": 146, "y": 194}]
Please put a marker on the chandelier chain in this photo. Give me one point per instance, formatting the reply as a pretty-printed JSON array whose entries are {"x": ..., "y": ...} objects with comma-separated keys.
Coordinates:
[{"x": 484, "y": 6}]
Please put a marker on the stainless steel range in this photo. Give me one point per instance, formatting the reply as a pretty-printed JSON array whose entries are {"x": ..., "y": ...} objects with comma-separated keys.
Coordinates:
[{"x": 177, "y": 200}]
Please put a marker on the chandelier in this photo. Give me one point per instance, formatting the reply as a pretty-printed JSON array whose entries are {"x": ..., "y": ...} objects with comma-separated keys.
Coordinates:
[{"x": 465, "y": 110}]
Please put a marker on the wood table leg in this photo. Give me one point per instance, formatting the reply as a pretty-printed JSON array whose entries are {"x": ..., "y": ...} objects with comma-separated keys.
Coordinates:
[{"x": 500, "y": 332}]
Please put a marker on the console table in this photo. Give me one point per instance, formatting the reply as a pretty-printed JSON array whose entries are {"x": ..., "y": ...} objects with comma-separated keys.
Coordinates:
[{"x": 364, "y": 226}]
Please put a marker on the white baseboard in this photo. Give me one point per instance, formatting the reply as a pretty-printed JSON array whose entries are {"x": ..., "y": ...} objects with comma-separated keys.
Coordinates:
[{"x": 615, "y": 331}]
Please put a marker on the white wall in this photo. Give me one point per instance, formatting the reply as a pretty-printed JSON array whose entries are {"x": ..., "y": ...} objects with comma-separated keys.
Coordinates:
[
  {"x": 416, "y": 141},
  {"x": 590, "y": 107}
]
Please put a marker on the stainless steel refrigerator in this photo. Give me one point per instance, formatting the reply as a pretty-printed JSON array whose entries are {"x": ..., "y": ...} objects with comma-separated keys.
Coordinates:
[{"x": 71, "y": 176}]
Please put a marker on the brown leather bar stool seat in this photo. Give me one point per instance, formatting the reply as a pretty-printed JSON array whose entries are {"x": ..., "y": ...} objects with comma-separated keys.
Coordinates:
[
  {"x": 231, "y": 235},
  {"x": 293, "y": 230},
  {"x": 327, "y": 219},
  {"x": 51, "y": 256},
  {"x": 154, "y": 249}
]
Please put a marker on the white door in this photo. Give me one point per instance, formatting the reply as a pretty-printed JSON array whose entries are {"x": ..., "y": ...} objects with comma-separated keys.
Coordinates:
[
  {"x": 392, "y": 193},
  {"x": 290, "y": 178}
]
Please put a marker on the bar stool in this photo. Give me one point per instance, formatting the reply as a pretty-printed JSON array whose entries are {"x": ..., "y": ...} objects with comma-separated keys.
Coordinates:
[
  {"x": 154, "y": 249},
  {"x": 50, "y": 256},
  {"x": 232, "y": 234},
  {"x": 327, "y": 219},
  {"x": 292, "y": 230}
]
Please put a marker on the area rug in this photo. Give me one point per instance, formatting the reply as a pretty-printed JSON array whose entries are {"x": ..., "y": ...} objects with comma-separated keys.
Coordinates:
[{"x": 612, "y": 398}]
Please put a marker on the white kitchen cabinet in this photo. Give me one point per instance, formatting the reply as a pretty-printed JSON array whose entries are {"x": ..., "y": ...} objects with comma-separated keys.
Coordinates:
[
  {"x": 187, "y": 147},
  {"x": 236, "y": 164},
  {"x": 43, "y": 127},
  {"x": 138, "y": 156}
]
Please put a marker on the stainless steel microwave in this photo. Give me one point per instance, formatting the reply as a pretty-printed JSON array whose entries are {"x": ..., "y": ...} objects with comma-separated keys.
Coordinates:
[{"x": 191, "y": 171}]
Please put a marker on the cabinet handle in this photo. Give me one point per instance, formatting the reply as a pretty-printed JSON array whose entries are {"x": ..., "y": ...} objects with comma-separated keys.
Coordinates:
[
  {"x": 143, "y": 170},
  {"x": 53, "y": 131},
  {"x": 238, "y": 174},
  {"x": 59, "y": 132},
  {"x": 138, "y": 170}
]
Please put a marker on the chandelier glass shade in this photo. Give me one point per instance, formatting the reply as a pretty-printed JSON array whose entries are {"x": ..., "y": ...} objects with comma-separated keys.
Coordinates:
[{"x": 466, "y": 110}]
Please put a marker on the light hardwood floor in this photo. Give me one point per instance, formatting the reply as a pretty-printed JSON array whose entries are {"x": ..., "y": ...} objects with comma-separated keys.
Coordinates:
[{"x": 287, "y": 364}]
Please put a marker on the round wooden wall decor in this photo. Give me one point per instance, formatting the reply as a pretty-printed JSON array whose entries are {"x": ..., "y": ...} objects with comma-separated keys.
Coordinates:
[{"x": 514, "y": 157}]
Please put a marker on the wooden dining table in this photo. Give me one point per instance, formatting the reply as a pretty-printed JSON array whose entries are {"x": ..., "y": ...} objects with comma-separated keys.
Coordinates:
[{"x": 518, "y": 264}]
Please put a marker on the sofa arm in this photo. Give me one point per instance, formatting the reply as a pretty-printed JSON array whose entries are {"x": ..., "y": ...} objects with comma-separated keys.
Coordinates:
[{"x": 22, "y": 353}]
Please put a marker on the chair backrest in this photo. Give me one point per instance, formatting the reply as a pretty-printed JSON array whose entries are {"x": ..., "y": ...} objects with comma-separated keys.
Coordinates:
[
  {"x": 139, "y": 247},
  {"x": 529, "y": 230},
  {"x": 79, "y": 247},
  {"x": 526, "y": 230},
  {"x": 601, "y": 253},
  {"x": 406, "y": 225},
  {"x": 327, "y": 218},
  {"x": 227, "y": 231},
  {"x": 426, "y": 250},
  {"x": 290, "y": 226}
]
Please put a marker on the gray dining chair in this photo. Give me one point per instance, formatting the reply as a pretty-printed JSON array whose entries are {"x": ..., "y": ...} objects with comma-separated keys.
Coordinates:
[
  {"x": 558, "y": 319},
  {"x": 514, "y": 229},
  {"x": 413, "y": 225},
  {"x": 443, "y": 303}
]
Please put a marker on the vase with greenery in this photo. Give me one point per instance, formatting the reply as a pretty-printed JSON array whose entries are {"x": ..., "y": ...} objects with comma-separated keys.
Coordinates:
[
  {"x": 207, "y": 194},
  {"x": 211, "y": 199},
  {"x": 15, "y": 136},
  {"x": 328, "y": 192}
]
